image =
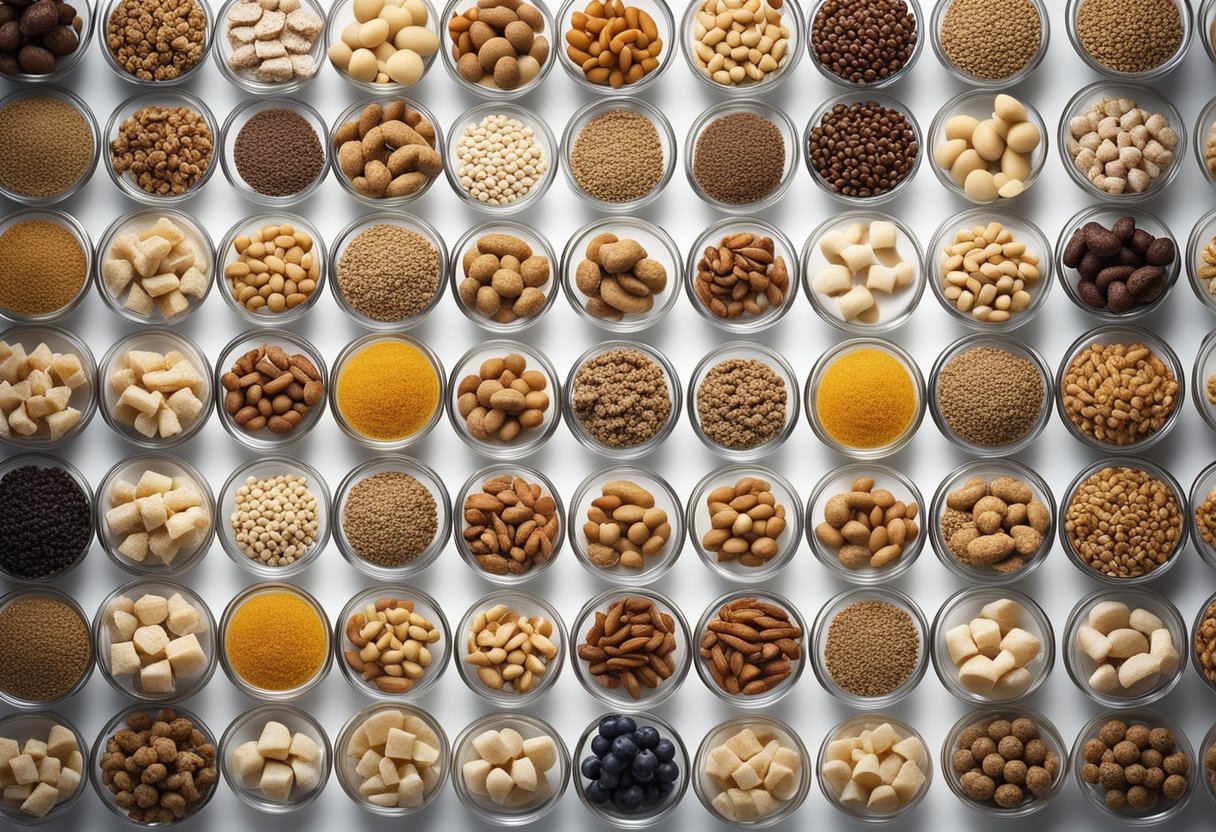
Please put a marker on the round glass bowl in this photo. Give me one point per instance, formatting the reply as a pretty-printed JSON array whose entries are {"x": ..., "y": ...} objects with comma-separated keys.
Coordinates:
[
  {"x": 580, "y": 431},
  {"x": 913, "y": 8},
  {"x": 791, "y": 19},
  {"x": 346, "y": 629},
  {"x": 1127, "y": 335},
  {"x": 473, "y": 485},
  {"x": 660, "y": 14},
  {"x": 597, "y": 109},
  {"x": 248, "y": 688},
  {"x": 1203, "y": 374},
  {"x": 978, "y": 104},
  {"x": 103, "y": 21},
  {"x": 608, "y": 813},
  {"x": 964, "y": 606},
  {"x": 1205, "y": 769},
  {"x": 759, "y": 109},
  {"x": 1023, "y": 231},
  {"x": 469, "y": 365},
  {"x": 521, "y": 604},
  {"x": 76, "y": 103},
  {"x": 699, "y": 521},
  {"x": 704, "y": 663},
  {"x": 1184, "y": 19},
  {"x": 1081, "y": 667},
  {"x": 457, "y": 8},
  {"x": 536, "y": 127},
  {"x": 988, "y": 470},
  {"x": 1203, "y": 129},
  {"x": 247, "y": 728},
  {"x": 1107, "y": 217},
  {"x": 443, "y": 515},
  {"x": 1205, "y": 20},
  {"x": 466, "y": 250},
  {"x": 1205, "y": 485},
  {"x": 707, "y": 790},
  {"x": 995, "y": 84},
  {"x": 545, "y": 797},
  {"x": 1201, "y": 237},
  {"x": 351, "y": 737},
  {"x": 11, "y": 463},
  {"x": 235, "y": 124},
  {"x": 819, "y": 640},
  {"x": 22, "y": 728},
  {"x": 852, "y": 728},
  {"x": 665, "y": 498},
  {"x": 269, "y": 467},
  {"x": 1047, "y": 733},
  {"x": 840, "y": 481},
  {"x": 83, "y": 398},
  {"x": 1165, "y": 808},
  {"x": 342, "y": 15},
  {"x": 351, "y": 351},
  {"x": 826, "y": 362},
  {"x": 104, "y": 637},
  {"x": 658, "y": 246},
  {"x": 351, "y": 116},
  {"x": 161, "y": 98},
  {"x": 266, "y": 440},
  {"x": 894, "y": 308},
  {"x": 679, "y": 659},
  {"x": 1012, "y": 345},
  {"x": 54, "y": 595},
  {"x": 744, "y": 351},
  {"x": 130, "y": 470},
  {"x": 1194, "y": 650},
  {"x": 247, "y": 79},
  {"x": 1148, "y": 100},
  {"x": 69, "y": 224},
  {"x": 863, "y": 97},
  {"x": 711, "y": 238},
  {"x": 227, "y": 256},
  {"x": 65, "y": 63}
]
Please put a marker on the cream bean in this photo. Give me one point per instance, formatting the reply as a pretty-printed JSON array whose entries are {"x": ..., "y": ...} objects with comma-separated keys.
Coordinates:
[
  {"x": 990, "y": 158},
  {"x": 738, "y": 43}
]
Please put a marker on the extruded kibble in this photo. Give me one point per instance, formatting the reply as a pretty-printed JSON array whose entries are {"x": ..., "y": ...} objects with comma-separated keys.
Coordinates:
[
  {"x": 401, "y": 744},
  {"x": 745, "y": 523},
  {"x": 275, "y": 269},
  {"x": 1119, "y": 147},
  {"x": 511, "y": 525},
  {"x": 1119, "y": 393},
  {"x": 159, "y": 395},
  {"x": 1131, "y": 507},
  {"x": 272, "y": 45},
  {"x": 503, "y": 401},
  {"x": 388, "y": 151},
  {"x": 39, "y": 774},
  {"x": 624, "y": 526},
  {"x": 755, "y": 772},
  {"x": 268, "y": 388},
  {"x": 1006, "y": 762},
  {"x": 179, "y": 134},
  {"x": 154, "y": 641},
  {"x": 37, "y": 389},
  {"x": 157, "y": 517},
  {"x": 1136, "y": 767},
  {"x": 156, "y": 266},
  {"x": 750, "y": 646},
  {"x": 508, "y": 769},
  {"x": 504, "y": 279},
  {"x": 863, "y": 265},
  {"x": 275, "y": 519},
  {"x": 1205, "y": 645},
  {"x": 156, "y": 40},
  {"x": 996, "y": 524},
  {"x": 875, "y": 768},
  {"x": 387, "y": 42},
  {"x": 632, "y": 50},
  {"x": 742, "y": 276},
  {"x": 500, "y": 44},
  {"x": 511, "y": 652},
  {"x": 735, "y": 44},
  {"x": 993, "y": 650},
  {"x": 620, "y": 745},
  {"x": 618, "y": 277},
  {"x": 867, "y": 527},
  {"x": 631, "y": 645},
  {"x": 990, "y": 159},
  {"x": 988, "y": 274},
  {"x": 391, "y": 644}
]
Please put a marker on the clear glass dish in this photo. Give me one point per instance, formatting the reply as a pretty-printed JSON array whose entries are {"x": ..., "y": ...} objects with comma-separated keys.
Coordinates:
[
  {"x": 852, "y": 727},
  {"x": 913, "y": 8},
  {"x": 1184, "y": 19},
  {"x": 665, "y": 26},
  {"x": 540, "y": 133},
  {"x": 782, "y": 247},
  {"x": 1203, "y": 232},
  {"x": 161, "y": 97},
  {"x": 351, "y": 116},
  {"x": 345, "y": 764},
  {"x": 83, "y": 398},
  {"x": 66, "y": 63},
  {"x": 520, "y": 603},
  {"x": 48, "y": 592},
  {"x": 425, "y": 606},
  {"x": 227, "y": 255},
  {"x": 23, "y": 727},
  {"x": 1209, "y": 771},
  {"x": 996, "y": 84},
  {"x": 246, "y": 79},
  {"x": 455, "y": 8},
  {"x": 247, "y": 728},
  {"x": 747, "y": 351},
  {"x": 1204, "y": 20},
  {"x": 757, "y": 107},
  {"x": 39, "y": 460},
  {"x": 1204, "y": 127},
  {"x": 791, "y": 18},
  {"x": 541, "y": 247},
  {"x": 1203, "y": 374},
  {"x": 75, "y": 102},
  {"x": 69, "y": 224},
  {"x": 235, "y": 123},
  {"x": 111, "y": 61},
  {"x": 705, "y": 789},
  {"x": 1205, "y": 484},
  {"x": 1193, "y": 650},
  {"x": 556, "y": 779},
  {"x": 342, "y": 14}
]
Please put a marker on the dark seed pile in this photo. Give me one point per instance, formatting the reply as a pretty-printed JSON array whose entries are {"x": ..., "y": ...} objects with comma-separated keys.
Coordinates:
[
  {"x": 44, "y": 522},
  {"x": 863, "y": 149},
  {"x": 739, "y": 158},
  {"x": 278, "y": 153}
]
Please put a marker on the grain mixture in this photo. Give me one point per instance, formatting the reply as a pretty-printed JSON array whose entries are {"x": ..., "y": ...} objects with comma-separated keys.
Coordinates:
[
  {"x": 44, "y": 648},
  {"x": 166, "y": 150},
  {"x": 871, "y": 648},
  {"x": 621, "y": 397},
  {"x": 617, "y": 156},
  {"x": 991, "y": 39},
  {"x": 389, "y": 518},
  {"x": 42, "y": 267},
  {"x": 741, "y": 403},
  {"x": 1123, "y": 522},
  {"x": 46, "y": 146},
  {"x": 157, "y": 40},
  {"x": 989, "y": 396},
  {"x": 1129, "y": 36},
  {"x": 1119, "y": 394},
  {"x": 739, "y": 158},
  {"x": 388, "y": 273}
]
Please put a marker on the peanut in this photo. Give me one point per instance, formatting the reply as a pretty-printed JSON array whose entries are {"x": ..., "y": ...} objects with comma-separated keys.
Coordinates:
[
  {"x": 745, "y": 521},
  {"x": 275, "y": 270},
  {"x": 510, "y": 651},
  {"x": 503, "y": 399}
]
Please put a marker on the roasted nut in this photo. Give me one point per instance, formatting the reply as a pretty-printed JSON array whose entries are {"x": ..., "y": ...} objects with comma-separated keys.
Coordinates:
[
  {"x": 390, "y": 644},
  {"x": 613, "y": 44},
  {"x": 503, "y": 279},
  {"x": 499, "y": 43},
  {"x": 624, "y": 526},
  {"x": 743, "y": 274},
  {"x": 388, "y": 151},
  {"x": 503, "y": 399},
  {"x": 276, "y": 269},
  {"x": 630, "y": 646},
  {"x": 997, "y": 524},
  {"x": 619, "y": 278},
  {"x": 867, "y": 527},
  {"x": 267, "y": 388},
  {"x": 746, "y": 522},
  {"x": 750, "y": 645},
  {"x": 510, "y": 525}
]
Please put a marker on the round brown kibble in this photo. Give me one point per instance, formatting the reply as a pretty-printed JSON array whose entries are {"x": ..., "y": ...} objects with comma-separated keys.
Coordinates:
[
  {"x": 1161, "y": 739},
  {"x": 998, "y": 729},
  {"x": 978, "y": 786},
  {"x": 969, "y": 736},
  {"x": 1089, "y": 773},
  {"x": 1008, "y": 796},
  {"x": 962, "y": 761},
  {"x": 1139, "y": 735},
  {"x": 1093, "y": 750},
  {"x": 982, "y": 747},
  {"x": 994, "y": 765},
  {"x": 1112, "y": 732},
  {"x": 1010, "y": 748},
  {"x": 1052, "y": 763},
  {"x": 1154, "y": 778},
  {"x": 1174, "y": 786},
  {"x": 1116, "y": 799},
  {"x": 1136, "y": 774},
  {"x": 1036, "y": 751},
  {"x": 1024, "y": 729},
  {"x": 1110, "y": 775},
  {"x": 1015, "y": 772},
  {"x": 1176, "y": 763},
  {"x": 1140, "y": 798},
  {"x": 1126, "y": 753},
  {"x": 1038, "y": 781}
]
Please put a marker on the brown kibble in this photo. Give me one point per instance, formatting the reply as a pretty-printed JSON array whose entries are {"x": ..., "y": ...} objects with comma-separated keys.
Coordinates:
[
  {"x": 1007, "y": 796},
  {"x": 1112, "y": 732}
]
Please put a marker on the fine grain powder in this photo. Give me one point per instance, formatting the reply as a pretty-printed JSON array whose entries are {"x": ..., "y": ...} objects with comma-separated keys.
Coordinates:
[
  {"x": 44, "y": 648},
  {"x": 739, "y": 158},
  {"x": 42, "y": 268},
  {"x": 617, "y": 156},
  {"x": 1129, "y": 35},
  {"x": 621, "y": 398},
  {"x": 388, "y": 273},
  {"x": 990, "y": 396},
  {"x": 863, "y": 149},
  {"x": 871, "y": 648},
  {"x": 45, "y": 146},
  {"x": 991, "y": 39},
  {"x": 44, "y": 522},
  {"x": 389, "y": 518},
  {"x": 278, "y": 153},
  {"x": 741, "y": 403}
]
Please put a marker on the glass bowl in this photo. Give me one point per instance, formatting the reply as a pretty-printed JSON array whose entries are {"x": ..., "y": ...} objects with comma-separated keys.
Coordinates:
[
  {"x": 852, "y": 727},
  {"x": 11, "y": 463},
  {"x": 75, "y": 102},
  {"x": 532, "y": 439},
  {"x": 1023, "y": 231},
  {"x": 540, "y": 246},
  {"x": 235, "y": 123},
  {"x": 239, "y": 681},
  {"x": 1184, "y": 19},
  {"x": 755, "y": 107},
  {"x": 859, "y": 97},
  {"x": 227, "y": 256},
  {"x": 1209, "y": 772},
  {"x": 353, "y": 349},
  {"x": 1204, "y": 231},
  {"x": 540, "y": 134},
  {"x": 618, "y": 697},
  {"x": 130, "y": 685},
  {"x": 1203, "y": 129},
  {"x": 131, "y": 469},
  {"x": 247, "y": 79},
  {"x": 1122, "y": 334},
  {"x": 1204, "y": 20},
  {"x": 791, "y": 18},
  {"x": 918, "y": 46},
  {"x": 1009, "y": 344},
  {"x": 456, "y": 8},
  {"x": 208, "y": 43},
  {"x": 266, "y": 440},
  {"x": 1193, "y": 650},
  {"x": 783, "y": 248},
  {"x": 556, "y": 779},
  {"x": 828, "y": 359},
  {"x": 66, "y": 63},
  {"x": 1205, "y": 484},
  {"x": 665, "y": 27},
  {"x": 1047, "y": 733},
  {"x": 1205, "y": 372},
  {"x": 707, "y": 790},
  {"x": 840, "y": 481},
  {"x": 83, "y": 398},
  {"x": 1165, "y": 808},
  {"x": 345, "y": 764},
  {"x": 351, "y": 116},
  {"x": 521, "y": 604},
  {"x": 247, "y": 728},
  {"x": 22, "y": 728},
  {"x": 819, "y": 638},
  {"x": 704, "y": 664},
  {"x": 966, "y": 605},
  {"x": 935, "y": 35},
  {"x": 443, "y": 515},
  {"x": 341, "y": 15},
  {"x": 266, "y": 467},
  {"x": 894, "y": 309},
  {"x": 69, "y": 224},
  {"x": 978, "y": 104},
  {"x": 1145, "y": 98},
  {"x": 473, "y": 485},
  {"x": 425, "y": 606},
  {"x": 746, "y": 351},
  {"x": 50, "y": 593},
  {"x": 665, "y": 498},
  {"x": 658, "y": 245},
  {"x": 989, "y": 469},
  {"x": 1080, "y": 666},
  {"x": 170, "y": 97}
]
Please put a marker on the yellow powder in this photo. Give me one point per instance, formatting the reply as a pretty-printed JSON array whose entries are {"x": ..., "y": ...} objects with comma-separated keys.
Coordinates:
[
  {"x": 866, "y": 399},
  {"x": 276, "y": 641},
  {"x": 388, "y": 390}
]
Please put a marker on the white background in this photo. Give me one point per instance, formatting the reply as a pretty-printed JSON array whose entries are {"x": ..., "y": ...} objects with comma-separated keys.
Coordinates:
[{"x": 685, "y": 338}]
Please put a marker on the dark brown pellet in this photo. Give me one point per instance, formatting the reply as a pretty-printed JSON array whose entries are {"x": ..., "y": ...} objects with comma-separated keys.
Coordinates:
[
  {"x": 863, "y": 41},
  {"x": 739, "y": 158},
  {"x": 863, "y": 149},
  {"x": 278, "y": 153}
]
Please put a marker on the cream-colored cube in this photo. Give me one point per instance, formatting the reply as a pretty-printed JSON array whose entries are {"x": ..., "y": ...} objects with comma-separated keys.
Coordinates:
[
  {"x": 247, "y": 762},
  {"x": 400, "y": 745},
  {"x": 987, "y": 636},
  {"x": 124, "y": 661},
  {"x": 151, "y": 641},
  {"x": 185, "y": 654},
  {"x": 184, "y": 618},
  {"x": 1022, "y": 645},
  {"x": 157, "y": 677},
  {"x": 1012, "y": 684},
  {"x": 542, "y": 751},
  {"x": 307, "y": 773},
  {"x": 61, "y": 742},
  {"x": 24, "y": 769},
  {"x": 275, "y": 741},
  {"x": 304, "y": 747},
  {"x": 41, "y": 800},
  {"x": 277, "y": 780},
  {"x": 1005, "y": 612},
  {"x": 883, "y": 737},
  {"x": 48, "y": 770},
  {"x": 123, "y": 625},
  {"x": 744, "y": 744},
  {"x": 135, "y": 547},
  {"x": 151, "y": 609},
  {"x": 911, "y": 749}
]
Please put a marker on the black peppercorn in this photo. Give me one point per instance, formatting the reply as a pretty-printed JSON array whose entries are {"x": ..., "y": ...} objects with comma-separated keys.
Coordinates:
[{"x": 44, "y": 521}]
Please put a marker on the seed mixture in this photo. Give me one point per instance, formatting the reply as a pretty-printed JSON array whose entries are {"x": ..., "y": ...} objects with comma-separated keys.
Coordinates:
[
  {"x": 1205, "y": 650},
  {"x": 389, "y": 518},
  {"x": 1119, "y": 394},
  {"x": 871, "y": 648},
  {"x": 156, "y": 40},
  {"x": 863, "y": 150},
  {"x": 388, "y": 272},
  {"x": 990, "y": 39},
  {"x": 1005, "y": 762},
  {"x": 388, "y": 391},
  {"x": 617, "y": 156},
  {"x": 166, "y": 150},
  {"x": 44, "y": 521},
  {"x": 1130, "y": 36},
  {"x": 741, "y": 403},
  {"x": 45, "y": 648},
  {"x": 863, "y": 41},
  {"x": 276, "y": 641},
  {"x": 739, "y": 158},
  {"x": 621, "y": 397},
  {"x": 866, "y": 399},
  {"x": 500, "y": 160},
  {"x": 1123, "y": 522},
  {"x": 1136, "y": 766},
  {"x": 43, "y": 267},
  {"x": 278, "y": 152},
  {"x": 999, "y": 524},
  {"x": 46, "y": 145},
  {"x": 989, "y": 396}
]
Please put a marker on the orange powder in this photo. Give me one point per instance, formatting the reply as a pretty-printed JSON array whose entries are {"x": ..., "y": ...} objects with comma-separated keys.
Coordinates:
[
  {"x": 388, "y": 390},
  {"x": 276, "y": 641},
  {"x": 865, "y": 399}
]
